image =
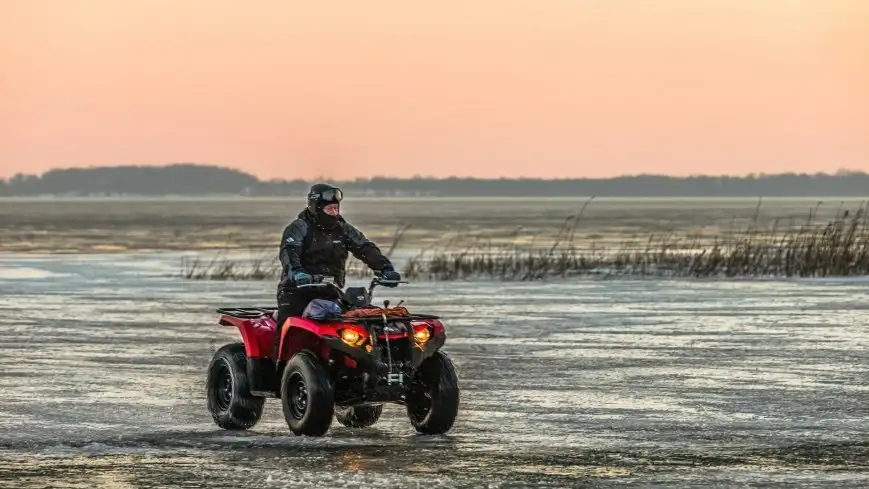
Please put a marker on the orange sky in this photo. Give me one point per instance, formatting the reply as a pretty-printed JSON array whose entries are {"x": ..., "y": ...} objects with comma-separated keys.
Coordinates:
[{"x": 550, "y": 88}]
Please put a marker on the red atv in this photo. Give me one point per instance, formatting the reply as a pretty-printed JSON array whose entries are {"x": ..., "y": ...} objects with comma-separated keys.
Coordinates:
[{"x": 343, "y": 357}]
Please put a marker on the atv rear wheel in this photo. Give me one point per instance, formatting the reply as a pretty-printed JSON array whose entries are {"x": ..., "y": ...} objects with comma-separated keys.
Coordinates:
[
  {"x": 307, "y": 395},
  {"x": 361, "y": 416},
  {"x": 227, "y": 389}
]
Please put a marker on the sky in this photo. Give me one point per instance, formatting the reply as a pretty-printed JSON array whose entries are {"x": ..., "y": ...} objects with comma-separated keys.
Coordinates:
[{"x": 485, "y": 88}]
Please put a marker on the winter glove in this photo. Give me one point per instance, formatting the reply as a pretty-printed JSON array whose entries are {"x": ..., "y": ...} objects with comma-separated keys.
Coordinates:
[
  {"x": 390, "y": 275},
  {"x": 302, "y": 278}
]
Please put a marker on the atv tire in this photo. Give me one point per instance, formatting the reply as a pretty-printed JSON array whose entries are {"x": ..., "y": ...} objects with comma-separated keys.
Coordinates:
[
  {"x": 433, "y": 402},
  {"x": 307, "y": 395},
  {"x": 361, "y": 416},
  {"x": 227, "y": 389}
]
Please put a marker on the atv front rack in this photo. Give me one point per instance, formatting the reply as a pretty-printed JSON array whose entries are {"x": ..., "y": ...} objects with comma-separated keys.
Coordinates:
[
  {"x": 256, "y": 312},
  {"x": 380, "y": 319}
]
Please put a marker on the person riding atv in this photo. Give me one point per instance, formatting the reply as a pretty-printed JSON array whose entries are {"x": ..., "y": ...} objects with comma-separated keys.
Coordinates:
[
  {"x": 317, "y": 243},
  {"x": 334, "y": 353}
]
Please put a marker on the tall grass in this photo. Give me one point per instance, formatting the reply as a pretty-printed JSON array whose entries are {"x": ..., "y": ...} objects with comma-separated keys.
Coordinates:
[
  {"x": 838, "y": 248},
  {"x": 257, "y": 268}
]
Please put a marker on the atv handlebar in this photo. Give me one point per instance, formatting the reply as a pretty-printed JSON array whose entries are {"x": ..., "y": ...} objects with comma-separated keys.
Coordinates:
[
  {"x": 378, "y": 280},
  {"x": 321, "y": 281}
]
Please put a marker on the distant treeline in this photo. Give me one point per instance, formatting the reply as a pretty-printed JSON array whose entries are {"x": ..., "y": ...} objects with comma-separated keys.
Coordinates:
[{"x": 200, "y": 180}]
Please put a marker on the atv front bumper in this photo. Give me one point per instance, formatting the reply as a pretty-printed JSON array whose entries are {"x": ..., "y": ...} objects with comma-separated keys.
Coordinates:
[
  {"x": 376, "y": 363},
  {"x": 380, "y": 381}
]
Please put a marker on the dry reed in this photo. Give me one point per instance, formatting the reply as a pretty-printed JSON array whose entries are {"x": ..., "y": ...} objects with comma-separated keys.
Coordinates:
[{"x": 838, "y": 248}]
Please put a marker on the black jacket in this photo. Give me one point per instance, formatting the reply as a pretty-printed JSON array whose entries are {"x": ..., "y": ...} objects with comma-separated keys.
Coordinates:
[{"x": 323, "y": 250}]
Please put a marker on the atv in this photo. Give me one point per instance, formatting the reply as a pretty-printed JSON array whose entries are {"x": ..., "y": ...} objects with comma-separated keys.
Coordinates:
[{"x": 343, "y": 357}]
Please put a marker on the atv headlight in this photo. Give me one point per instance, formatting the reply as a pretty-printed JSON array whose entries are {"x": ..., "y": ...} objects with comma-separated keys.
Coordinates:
[
  {"x": 421, "y": 334},
  {"x": 351, "y": 337}
]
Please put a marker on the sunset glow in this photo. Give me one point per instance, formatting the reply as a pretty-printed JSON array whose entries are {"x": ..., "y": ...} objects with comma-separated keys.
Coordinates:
[{"x": 549, "y": 88}]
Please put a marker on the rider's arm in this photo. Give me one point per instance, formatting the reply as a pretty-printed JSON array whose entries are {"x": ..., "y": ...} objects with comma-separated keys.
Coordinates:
[
  {"x": 364, "y": 249},
  {"x": 291, "y": 245}
]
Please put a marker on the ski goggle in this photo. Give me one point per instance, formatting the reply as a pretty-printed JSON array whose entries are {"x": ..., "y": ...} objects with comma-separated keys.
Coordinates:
[{"x": 331, "y": 195}]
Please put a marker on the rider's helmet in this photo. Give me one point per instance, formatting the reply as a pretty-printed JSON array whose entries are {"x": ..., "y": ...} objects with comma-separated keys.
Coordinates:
[{"x": 324, "y": 201}]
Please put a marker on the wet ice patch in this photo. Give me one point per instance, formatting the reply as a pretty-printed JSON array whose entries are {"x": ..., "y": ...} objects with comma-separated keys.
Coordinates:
[
  {"x": 28, "y": 273},
  {"x": 96, "y": 449}
]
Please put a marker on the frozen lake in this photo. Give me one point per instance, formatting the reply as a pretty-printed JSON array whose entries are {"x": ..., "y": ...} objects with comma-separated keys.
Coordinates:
[{"x": 605, "y": 383}]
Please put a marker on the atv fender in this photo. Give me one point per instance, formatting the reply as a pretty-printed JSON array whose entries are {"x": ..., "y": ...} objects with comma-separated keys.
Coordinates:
[
  {"x": 258, "y": 336},
  {"x": 296, "y": 337}
]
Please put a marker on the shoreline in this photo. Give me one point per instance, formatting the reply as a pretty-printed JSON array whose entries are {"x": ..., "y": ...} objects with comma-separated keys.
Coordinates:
[{"x": 409, "y": 198}]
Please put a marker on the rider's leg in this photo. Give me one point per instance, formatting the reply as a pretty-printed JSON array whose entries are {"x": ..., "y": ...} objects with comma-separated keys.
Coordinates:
[{"x": 291, "y": 303}]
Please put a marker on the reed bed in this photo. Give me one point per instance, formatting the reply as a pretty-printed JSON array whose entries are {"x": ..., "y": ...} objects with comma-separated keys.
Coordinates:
[
  {"x": 839, "y": 247},
  {"x": 260, "y": 268},
  {"x": 218, "y": 268}
]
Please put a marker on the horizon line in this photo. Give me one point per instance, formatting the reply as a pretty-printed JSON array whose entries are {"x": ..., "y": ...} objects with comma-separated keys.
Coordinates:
[{"x": 839, "y": 172}]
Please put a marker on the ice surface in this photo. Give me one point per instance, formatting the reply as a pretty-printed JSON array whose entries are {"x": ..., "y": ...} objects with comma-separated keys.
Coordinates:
[{"x": 606, "y": 382}]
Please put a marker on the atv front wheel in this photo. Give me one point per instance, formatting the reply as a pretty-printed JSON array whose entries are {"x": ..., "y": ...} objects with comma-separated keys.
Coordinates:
[
  {"x": 230, "y": 402},
  {"x": 361, "y": 416},
  {"x": 307, "y": 395},
  {"x": 433, "y": 403}
]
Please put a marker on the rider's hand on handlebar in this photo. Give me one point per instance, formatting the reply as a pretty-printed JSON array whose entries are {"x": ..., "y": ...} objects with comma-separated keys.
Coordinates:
[
  {"x": 302, "y": 278},
  {"x": 390, "y": 277}
]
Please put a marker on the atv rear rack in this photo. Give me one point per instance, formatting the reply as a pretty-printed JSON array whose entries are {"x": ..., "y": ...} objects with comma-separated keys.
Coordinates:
[{"x": 247, "y": 312}]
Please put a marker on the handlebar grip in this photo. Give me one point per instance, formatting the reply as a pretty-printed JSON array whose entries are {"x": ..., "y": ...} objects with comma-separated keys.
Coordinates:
[
  {"x": 314, "y": 285},
  {"x": 381, "y": 281}
]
